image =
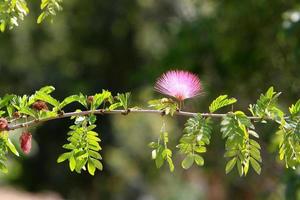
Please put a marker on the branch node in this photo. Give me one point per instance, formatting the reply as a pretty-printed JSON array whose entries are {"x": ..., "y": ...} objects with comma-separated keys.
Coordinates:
[{"x": 125, "y": 112}]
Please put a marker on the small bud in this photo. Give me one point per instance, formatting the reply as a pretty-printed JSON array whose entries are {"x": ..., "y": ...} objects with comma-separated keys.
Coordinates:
[
  {"x": 165, "y": 100},
  {"x": 153, "y": 154},
  {"x": 90, "y": 99},
  {"x": 25, "y": 142},
  {"x": 40, "y": 105},
  {"x": 16, "y": 115},
  {"x": 3, "y": 124}
]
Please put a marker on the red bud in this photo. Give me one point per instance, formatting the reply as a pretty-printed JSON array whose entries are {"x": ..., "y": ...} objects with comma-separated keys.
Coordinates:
[
  {"x": 3, "y": 124},
  {"x": 25, "y": 141},
  {"x": 90, "y": 99},
  {"x": 40, "y": 105}
]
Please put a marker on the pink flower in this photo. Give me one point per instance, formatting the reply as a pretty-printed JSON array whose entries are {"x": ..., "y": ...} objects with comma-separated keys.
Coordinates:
[
  {"x": 179, "y": 84},
  {"x": 25, "y": 141}
]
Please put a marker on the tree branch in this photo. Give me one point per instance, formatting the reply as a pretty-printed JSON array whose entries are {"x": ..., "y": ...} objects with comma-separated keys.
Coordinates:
[{"x": 124, "y": 112}]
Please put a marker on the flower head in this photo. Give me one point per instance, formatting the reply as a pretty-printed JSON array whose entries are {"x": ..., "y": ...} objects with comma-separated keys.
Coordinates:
[
  {"x": 25, "y": 141},
  {"x": 179, "y": 84}
]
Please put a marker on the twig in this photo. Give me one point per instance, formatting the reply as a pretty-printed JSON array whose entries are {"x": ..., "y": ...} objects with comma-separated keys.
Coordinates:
[{"x": 124, "y": 112}]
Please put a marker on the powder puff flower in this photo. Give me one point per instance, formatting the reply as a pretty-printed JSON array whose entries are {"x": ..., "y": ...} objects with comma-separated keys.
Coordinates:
[{"x": 179, "y": 84}]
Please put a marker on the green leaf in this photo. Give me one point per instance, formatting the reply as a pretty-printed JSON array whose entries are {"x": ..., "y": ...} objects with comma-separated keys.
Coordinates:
[
  {"x": 10, "y": 109},
  {"x": 5, "y": 100},
  {"x": 166, "y": 153},
  {"x": 49, "y": 8},
  {"x": 2, "y": 26},
  {"x": 199, "y": 160},
  {"x": 295, "y": 108},
  {"x": 197, "y": 134},
  {"x": 200, "y": 149},
  {"x": 3, "y": 168},
  {"x": 230, "y": 153},
  {"x": 246, "y": 167},
  {"x": 47, "y": 98},
  {"x": 124, "y": 99},
  {"x": 97, "y": 164},
  {"x": 230, "y": 164},
  {"x": 100, "y": 98},
  {"x": 64, "y": 157},
  {"x": 255, "y": 165},
  {"x": 240, "y": 168},
  {"x": 68, "y": 100},
  {"x": 236, "y": 128},
  {"x": 165, "y": 104},
  {"x": 114, "y": 106},
  {"x": 159, "y": 161},
  {"x": 270, "y": 92},
  {"x": 254, "y": 143},
  {"x": 91, "y": 167},
  {"x": 47, "y": 89},
  {"x": 28, "y": 111},
  {"x": 12, "y": 147},
  {"x": 80, "y": 164},
  {"x": 82, "y": 100},
  {"x": 266, "y": 106},
  {"x": 220, "y": 102},
  {"x": 153, "y": 145},
  {"x": 254, "y": 152},
  {"x": 72, "y": 163},
  {"x": 188, "y": 161},
  {"x": 44, "y": 3},
  {"x": 253, "y": 133},
  {"x": 171, "y": 165},
  {"x": 95, "y": 154},
  {"x": 69, "y": 146}
]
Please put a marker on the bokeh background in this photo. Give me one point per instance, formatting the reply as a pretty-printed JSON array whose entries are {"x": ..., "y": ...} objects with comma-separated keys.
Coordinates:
[{"x": 236, "y": 47}]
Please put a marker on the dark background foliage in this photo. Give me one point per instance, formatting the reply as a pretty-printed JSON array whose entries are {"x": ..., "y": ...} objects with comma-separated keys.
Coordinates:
[{"x": 236, "y": 47}]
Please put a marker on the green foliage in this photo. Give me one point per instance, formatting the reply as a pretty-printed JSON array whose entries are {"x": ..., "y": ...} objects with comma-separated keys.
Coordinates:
[
  {"x": 236, "y": 128},
  {"x": 266, "y": 106},
  {"x": 46, "y": 97},
  {"x": 5, "y": 145},
  {"x": 68, "y": 100},
  {"x": 165, "y": 104},
  {"x": 161, "y": 152},
  {"x": 49, "y": 8},
  {"x": 100, "y": 98},
  {"x": 124, "y": 100},
  {"x": 83, "y": 143},
  {"x": 220, "y": 102},
  {"x": 11, "y": 12},
  {"x": 295, "y": 109},
  {"x": 289, "y": 138},
  {"x": 83, "y": 147},
  {"x": 197, "y": 134}
]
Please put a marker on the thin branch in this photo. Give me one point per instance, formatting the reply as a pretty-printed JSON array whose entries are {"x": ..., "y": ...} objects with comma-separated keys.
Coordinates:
[{"x": 123, "y": 112}]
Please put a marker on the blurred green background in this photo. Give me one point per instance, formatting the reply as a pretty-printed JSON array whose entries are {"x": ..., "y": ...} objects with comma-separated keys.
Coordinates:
[{"x": 236, "y": 47}]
